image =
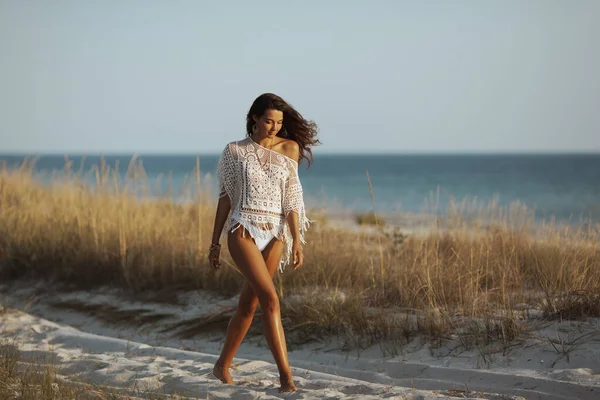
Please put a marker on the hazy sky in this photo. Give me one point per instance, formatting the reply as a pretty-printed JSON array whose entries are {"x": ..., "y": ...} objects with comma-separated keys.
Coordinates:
[{"x": 391, "y": 76}]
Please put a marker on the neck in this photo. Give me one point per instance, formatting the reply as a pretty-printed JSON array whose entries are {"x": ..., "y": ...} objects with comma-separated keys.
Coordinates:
[{"x": 265, "y": 141}]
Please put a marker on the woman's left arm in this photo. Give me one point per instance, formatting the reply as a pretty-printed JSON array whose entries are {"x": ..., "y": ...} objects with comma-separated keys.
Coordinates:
[
  {"x": 292, "y": 150},
  {"x": 298, "y": 256}
]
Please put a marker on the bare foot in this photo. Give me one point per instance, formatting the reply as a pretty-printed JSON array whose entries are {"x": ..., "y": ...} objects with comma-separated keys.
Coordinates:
[
  {"x": 287, "y": 385},
  {"x": 222, "y": 374}
]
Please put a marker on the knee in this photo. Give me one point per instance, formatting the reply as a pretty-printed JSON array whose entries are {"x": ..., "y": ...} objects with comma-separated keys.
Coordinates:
[
  {"x": 269, "y": 302},
  {"x": 248, "y": 308}
]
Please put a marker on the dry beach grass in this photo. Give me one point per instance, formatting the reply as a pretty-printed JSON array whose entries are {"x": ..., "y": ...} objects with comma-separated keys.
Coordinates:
[{"x": 477, "y": 275}]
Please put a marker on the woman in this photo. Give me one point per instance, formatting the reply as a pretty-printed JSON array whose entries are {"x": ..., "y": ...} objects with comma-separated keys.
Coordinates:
[{"x": 259, "y": 185}]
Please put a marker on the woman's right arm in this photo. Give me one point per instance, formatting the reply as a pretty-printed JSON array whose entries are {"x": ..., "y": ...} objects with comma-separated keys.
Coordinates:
[
  {"x": 214, "y": 253},
  {"x": 227, "y": 183},
  {"x": 223, "y": 208}
]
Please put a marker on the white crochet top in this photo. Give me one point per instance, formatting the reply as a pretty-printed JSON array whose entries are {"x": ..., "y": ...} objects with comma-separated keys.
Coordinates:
[{"x": 264, "y": 187}]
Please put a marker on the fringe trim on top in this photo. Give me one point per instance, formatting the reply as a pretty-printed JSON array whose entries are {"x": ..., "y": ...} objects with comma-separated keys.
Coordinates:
[
  {"x": 303, "y": 225},
  {"x": 281, "y": 232}
]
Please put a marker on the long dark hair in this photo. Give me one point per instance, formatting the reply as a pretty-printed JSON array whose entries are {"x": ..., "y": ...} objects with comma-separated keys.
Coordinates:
[{"x": 295, "y": 127}]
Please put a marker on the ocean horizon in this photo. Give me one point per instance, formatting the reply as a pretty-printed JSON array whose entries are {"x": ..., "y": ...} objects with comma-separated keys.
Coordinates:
[{"x": 560, "y": 186}]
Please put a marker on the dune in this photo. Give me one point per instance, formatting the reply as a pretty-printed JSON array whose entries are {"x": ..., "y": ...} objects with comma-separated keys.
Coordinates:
[{"x": 109, "y": 348}]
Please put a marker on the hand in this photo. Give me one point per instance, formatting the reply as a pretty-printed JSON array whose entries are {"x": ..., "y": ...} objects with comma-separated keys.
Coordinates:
[
  {"x": 297, "y": 254},
  {"x": 213, "y": 257}
]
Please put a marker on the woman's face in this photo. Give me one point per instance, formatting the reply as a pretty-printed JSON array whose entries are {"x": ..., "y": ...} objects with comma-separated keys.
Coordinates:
[{"x": 269, "y": 123}]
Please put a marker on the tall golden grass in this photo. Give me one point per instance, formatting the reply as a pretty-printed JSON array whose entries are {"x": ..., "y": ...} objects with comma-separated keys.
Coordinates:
[{"x": 476, "y": 270}]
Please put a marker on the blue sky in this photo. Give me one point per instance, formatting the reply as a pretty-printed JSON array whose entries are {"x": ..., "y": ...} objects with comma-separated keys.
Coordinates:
[{"x": 381, "y": 76}]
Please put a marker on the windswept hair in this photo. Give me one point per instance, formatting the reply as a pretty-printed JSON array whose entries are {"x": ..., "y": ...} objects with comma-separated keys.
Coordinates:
[{"x": 295, "y": 127}]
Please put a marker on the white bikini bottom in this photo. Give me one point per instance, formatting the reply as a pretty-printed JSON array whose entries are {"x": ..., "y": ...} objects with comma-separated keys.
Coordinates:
[{"x": 262, "y": 243}]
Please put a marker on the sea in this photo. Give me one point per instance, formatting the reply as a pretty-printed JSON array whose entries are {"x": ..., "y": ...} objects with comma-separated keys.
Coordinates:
[{"x": 559, "y": 187}]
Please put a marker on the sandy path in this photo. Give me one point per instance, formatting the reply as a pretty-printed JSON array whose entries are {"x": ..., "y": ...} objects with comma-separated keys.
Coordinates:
[
  {"x": 117, "y": 355},
  {"x": 121, "y": 364}
]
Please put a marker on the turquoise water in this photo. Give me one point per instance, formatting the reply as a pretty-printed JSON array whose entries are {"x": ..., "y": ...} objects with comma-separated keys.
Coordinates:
[{"x": 566, "y": 186}]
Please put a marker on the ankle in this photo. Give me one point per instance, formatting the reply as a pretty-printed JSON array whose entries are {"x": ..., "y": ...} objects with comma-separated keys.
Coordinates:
[
  {"x": 221, "y": 366},
  {"x": 286, "y": 376}
]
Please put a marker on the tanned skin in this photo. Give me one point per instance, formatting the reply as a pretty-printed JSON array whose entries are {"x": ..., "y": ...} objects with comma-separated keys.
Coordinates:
[{"x": 258, "y": 267}]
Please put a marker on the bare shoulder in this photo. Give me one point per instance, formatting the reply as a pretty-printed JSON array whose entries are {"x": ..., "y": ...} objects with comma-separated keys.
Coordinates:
[{"x": 291, "y": 149}]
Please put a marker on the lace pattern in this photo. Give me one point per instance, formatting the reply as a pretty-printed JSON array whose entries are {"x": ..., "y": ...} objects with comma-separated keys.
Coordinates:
[{"x": 264, "y": 187}]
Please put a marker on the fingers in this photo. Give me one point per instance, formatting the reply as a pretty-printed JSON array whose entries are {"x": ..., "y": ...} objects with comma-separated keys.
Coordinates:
[
  {"x": 213, "y": 260},
  {"x": 298, "y": 258}
]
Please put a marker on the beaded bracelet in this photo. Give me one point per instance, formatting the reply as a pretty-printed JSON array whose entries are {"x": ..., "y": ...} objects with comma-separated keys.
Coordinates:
[{"x": 214, "y": 246}]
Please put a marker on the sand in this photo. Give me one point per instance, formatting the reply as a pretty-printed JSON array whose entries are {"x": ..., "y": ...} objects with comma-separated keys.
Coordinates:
[{"x": 115, "y": 349}]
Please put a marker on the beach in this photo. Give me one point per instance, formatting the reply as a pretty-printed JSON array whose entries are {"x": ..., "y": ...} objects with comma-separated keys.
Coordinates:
[
  {"x": 117, "y": 291},
  {"x": 121, "y": 349},
  {"x": 442, "y": 159}
]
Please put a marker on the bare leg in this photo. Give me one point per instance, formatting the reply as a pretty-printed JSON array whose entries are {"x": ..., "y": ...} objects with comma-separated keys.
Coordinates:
[
  {"x": 261, "y": 268},
  {"x": 236, "y": 330}
]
